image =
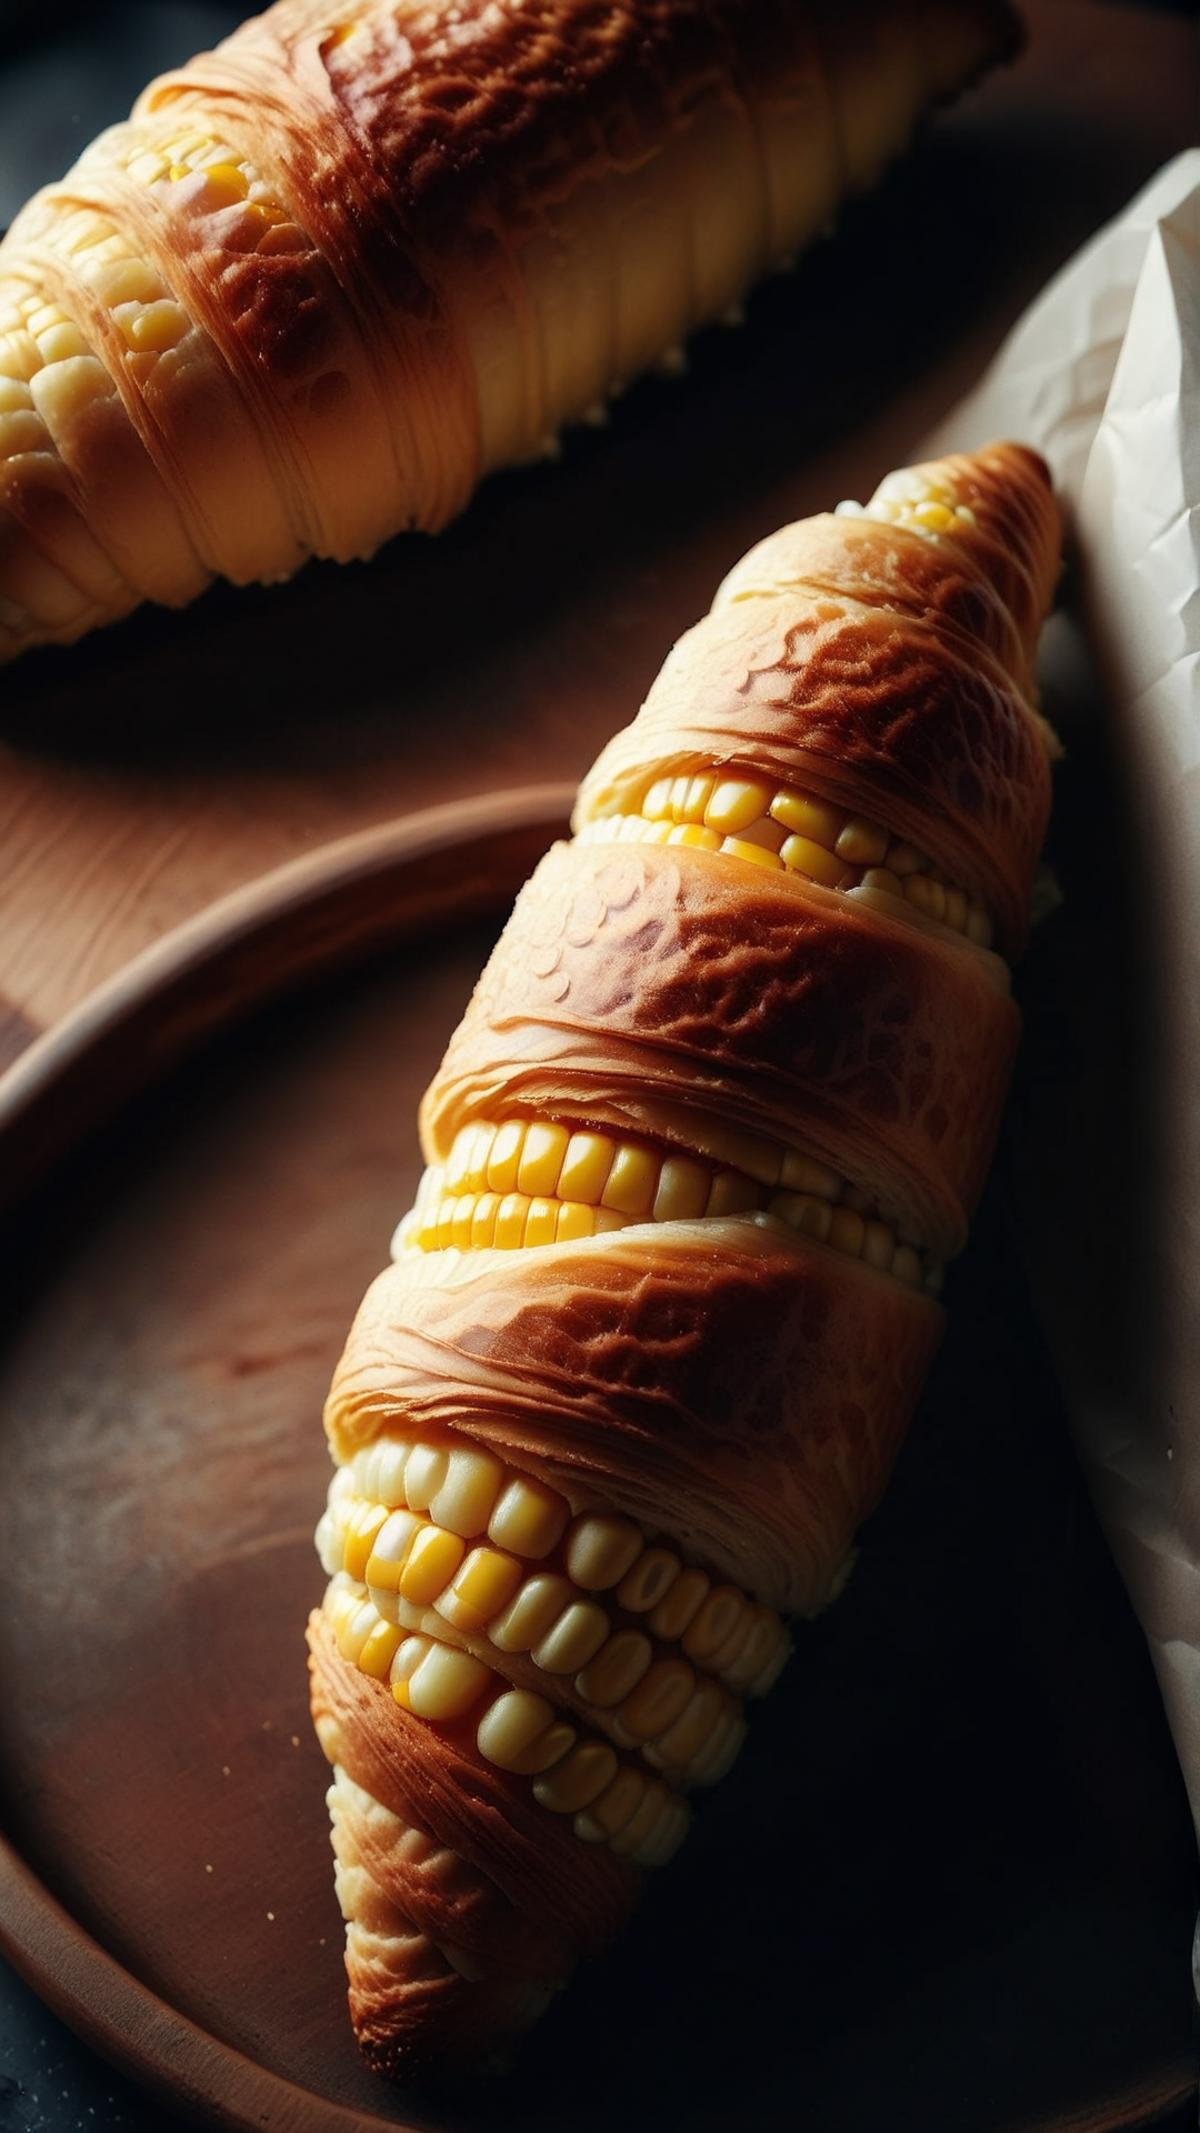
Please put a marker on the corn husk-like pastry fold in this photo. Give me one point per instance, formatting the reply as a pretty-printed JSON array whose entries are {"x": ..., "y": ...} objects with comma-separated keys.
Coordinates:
[
  {"x": 328, "y": 275},
  {"x": 720, "y": 1105}
]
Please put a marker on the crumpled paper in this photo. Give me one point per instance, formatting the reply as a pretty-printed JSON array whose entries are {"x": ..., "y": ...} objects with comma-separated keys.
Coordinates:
[{"x": 1103, "y": 375}]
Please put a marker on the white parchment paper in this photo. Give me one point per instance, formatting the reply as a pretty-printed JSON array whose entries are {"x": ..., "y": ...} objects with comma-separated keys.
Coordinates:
[{"x": 1103, "y": 375}]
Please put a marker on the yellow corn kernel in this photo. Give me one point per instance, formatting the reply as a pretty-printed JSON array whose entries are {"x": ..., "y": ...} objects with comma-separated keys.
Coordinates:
[
  {"x": 22, "y": 431},
  {"x": 680, "y": 1602},
  {"x": 20, "y": 356},
  {"x": 732, "y": 1194},
  {"x": 632, "y": 1181},
  {"x": 224, "y": 185},
  {"x": 956, "y": 910},
  {"x": 360, "y": 1537},
  {"x": 804, "y": 1173},
  {"x": 41, "y": 318},
  {"x": 658, "y": 1699},
  {"x": 483, "y": 1587},
  {"x": 429, "y": 1195},
  {"x": 810, "y": 818},
  {"x": 681, "y": 1194},
  {"x": 803, "y": 856},
  {"x": 542, "y": 1754},
  {"x": 445, "y": 1223},
  {"x": 153, "y": 328},
  {"x": 477, "y": 1158},
  {"x": 390, "y": 1550},
  {"x": 432, "y": 1561},
  {"x": 509, "y": 1232},
  {"x": 537, "y": 1607},
  {"x": 883, "y": 878},
  {"x": 379, "y": 1650},
  {"x": 583, "y": 1775},
  {"x": 529, "y": 1518},
  {"x": 60, "y": 341},
  {"x": 771, "y": 835},
  {"x": 483, "y": 1221},
  {"x": 61, "y": 390},
  {"x": 460, "y": 1227},
  {"x": 695, "y": 835},
  {"x": 878, "y": 1245},
  {"x": 265, "y": 215},
  {"x": 461, "y": 1158},
  {"x": 504, "y": 1156},
  {"x": 757, "y": 854},
  {"x": 353, "y": 1629},
  {"x": 679, "y": 793},
  {"x": 863, "y": 843},
  {"x": 285, "y": 237},
  {"x": 574, "y": 1221},
  {"x": 585, "y": 1167},
  {"x": 735, "y": 803},
  {"x": 541, "y": 1222},
  {"x": 934, "y": 517},
  {"x": 512, "y": 1725},
  {"x": 656, "y": 805},
  {"x": 14, "y": 396},
  {"x": 542, "y": 1159},
  {"x": 699, "y": 793},
  {"x": 615, "y": 1807},
  {"x": 606, "y": 1219}
]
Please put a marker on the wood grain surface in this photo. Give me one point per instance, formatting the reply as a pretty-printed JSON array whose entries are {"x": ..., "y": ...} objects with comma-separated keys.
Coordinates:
[
  {"x": 157, "y": 767},
  {"x": 916, "y": 1903}
]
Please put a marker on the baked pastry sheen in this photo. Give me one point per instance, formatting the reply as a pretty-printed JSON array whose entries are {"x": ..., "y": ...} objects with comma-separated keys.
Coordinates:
[
  {"x": 719, "y": 1108},
  {"x": 328, "y": 275}
]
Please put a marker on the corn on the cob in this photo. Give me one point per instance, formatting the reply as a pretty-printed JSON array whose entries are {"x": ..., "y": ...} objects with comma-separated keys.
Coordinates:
[
  {"x": 330, "y": 274},
  {"x": 658, "y": 1313},
  {"x": 589, "y": 1184}
]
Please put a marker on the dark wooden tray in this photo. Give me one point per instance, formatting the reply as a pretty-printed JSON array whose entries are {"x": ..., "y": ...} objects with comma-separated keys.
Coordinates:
[{"x": 949, "y": 1888}]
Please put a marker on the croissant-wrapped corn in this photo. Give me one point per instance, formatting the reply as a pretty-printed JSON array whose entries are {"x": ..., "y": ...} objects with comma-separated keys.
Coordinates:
[
  {"x": 719, "y": 1109},
  {"x": 328, "y": 275}
]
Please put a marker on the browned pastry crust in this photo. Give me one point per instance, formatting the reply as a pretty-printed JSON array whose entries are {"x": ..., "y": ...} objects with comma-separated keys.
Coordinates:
[
  {"x": 629, "y": 979},
  {"x": 490, "y": 1905},
  {"x": 846, "y": 656},
  {"x": 329, "y": 274},
  {"x": 756, "y": 1384}
]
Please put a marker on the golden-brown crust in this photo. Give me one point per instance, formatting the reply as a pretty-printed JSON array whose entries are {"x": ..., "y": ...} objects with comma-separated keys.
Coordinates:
[
  {"x": 632, "y": 974},
  {"x": 875, "y": 564},
  {"x": 737, "y": 1388},
  {"x": 868, "y": 664},
  {"x": 479, "y": 117},
  {"x": 437, "y": 1956},
  {"x": 570, "y": 1895},
  {"x": 498, "y": 213}
]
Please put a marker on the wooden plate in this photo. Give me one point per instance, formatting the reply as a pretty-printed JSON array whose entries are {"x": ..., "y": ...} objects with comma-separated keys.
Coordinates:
[{"x": 947, "y": 1888}]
